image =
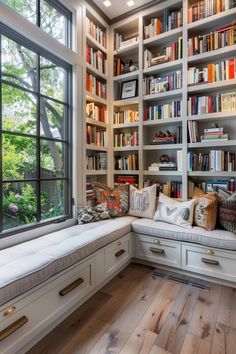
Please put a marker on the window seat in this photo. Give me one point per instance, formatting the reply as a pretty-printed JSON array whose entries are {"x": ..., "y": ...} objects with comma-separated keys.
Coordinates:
[{"x": 26, "y": 265}]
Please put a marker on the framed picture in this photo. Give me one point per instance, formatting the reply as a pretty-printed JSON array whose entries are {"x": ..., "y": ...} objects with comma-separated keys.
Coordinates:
[{"x": 129, "y": 89}]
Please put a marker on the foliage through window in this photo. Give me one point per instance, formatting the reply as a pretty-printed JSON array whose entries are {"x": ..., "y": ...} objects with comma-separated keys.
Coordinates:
[
  {"x": 35, "y": 130},
  {"x": 50, "y": 15}
]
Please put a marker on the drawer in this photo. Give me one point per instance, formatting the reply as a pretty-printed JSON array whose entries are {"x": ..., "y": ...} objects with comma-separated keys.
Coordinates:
[
  {"x": 117, "y": 254},
  {"x": 158, "y": 250},
  {"x": 211, "y": 262},
  {"x": 36, "y": 315}
]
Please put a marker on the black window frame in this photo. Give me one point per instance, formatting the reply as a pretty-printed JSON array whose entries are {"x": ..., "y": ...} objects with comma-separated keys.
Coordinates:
[{"x": 68, "y": 140}]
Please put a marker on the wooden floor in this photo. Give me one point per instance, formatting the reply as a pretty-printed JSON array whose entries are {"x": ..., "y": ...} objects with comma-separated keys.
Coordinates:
[{"x": 136, "y": 313}]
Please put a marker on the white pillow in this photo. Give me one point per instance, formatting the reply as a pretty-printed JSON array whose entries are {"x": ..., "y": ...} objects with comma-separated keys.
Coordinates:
[
  {"x": 142, "y": 202},
  {"x": 174, "y": 212}
]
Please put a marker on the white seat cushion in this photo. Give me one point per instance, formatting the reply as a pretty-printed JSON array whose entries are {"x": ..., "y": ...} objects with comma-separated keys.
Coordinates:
[
  {"x": 26, "y": 265},
  {"x": 216, "y": 238}
]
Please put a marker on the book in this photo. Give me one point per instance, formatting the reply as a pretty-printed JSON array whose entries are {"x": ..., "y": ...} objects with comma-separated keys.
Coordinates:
[
  {"x": 96, "y": 32},
  {"x": 205, "y": 8},
  {"x": 154, "y": 85}
]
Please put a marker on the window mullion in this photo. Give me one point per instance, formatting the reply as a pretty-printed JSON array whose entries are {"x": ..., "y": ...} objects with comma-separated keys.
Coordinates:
[
  {"x": 38, "y": 160},
  {"x": 1, "y": 188}
]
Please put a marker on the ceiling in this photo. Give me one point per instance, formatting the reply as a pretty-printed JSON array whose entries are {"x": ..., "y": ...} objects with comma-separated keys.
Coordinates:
[{"x": 119, "y": 7}]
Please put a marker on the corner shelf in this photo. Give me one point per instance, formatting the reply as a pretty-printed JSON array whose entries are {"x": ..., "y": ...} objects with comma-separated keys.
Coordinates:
[
  {"x": 162, "y": 173},
  {"x": 127, "y": 49},
  {"x": 128, "y": 76},
  {"x": 126, "y": 125},
  {"x": 95, "y": 43},
  {"x": 212, "y": 144},
  {"x": 94, "y": 98},
  {"x": 163, "y": 147},
  {"x": 162, "y": 38},
  {"x": 126, "y": 148},
  {"x": 160, "y": 68},
  {"x": 126, "y": 102},
  {"x": 211, "y": 173},
  {"x": 166, "y": 121},
  {"x": 96, "y": 172},
  {"x": 95, "y": 148},
  {"x": 163, "y": 95},
  {"x": 126, "y": 172},
  {"x": 96, "y": 122},
  {"x": 96, "y": 72}
]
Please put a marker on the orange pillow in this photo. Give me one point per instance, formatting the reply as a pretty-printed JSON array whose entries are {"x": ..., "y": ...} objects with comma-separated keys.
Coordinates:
[{"x": 205, "y": 213}]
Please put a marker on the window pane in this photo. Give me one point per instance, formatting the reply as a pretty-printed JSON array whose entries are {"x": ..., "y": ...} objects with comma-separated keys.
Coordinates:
[
  {"x": 18, "y": 157},
  {"x": 52, "y": 199},
  {"x": 19, "y": 204},
  {"x": 26, "y": 8},
  {"x": 52, "y": 159},
  {"x": 52, "y": 79},
  {"x": 52, "y": 119},
  {"x": 18, "y": 64},
  {"x": 18, "y": 110},
  {"x": 53, "y": 22}
]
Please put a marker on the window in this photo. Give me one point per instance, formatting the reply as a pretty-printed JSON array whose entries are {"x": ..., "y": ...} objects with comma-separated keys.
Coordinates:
[
  {"x": 35, "y": 134},
  {"x": 49, "y": 15}
]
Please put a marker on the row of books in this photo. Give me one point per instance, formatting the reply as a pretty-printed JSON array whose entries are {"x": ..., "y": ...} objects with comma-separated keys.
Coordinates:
[
  {"x": 163, "y": 111},
  {"x": 209, "y": 134},
  {"x": 126, "y": 163},
  {"x": 97, "y": 162},
  {"x": 170, "y": 53},
  {"x": 126, "y": 116},
  {"x": 95, "y": 86},
  {"x": 171, "y": 20},
  {"x": 121, "y": 42},
  {"x": 224, "y": 102},
  {"x": 206, "y": 8},
  {"x": 96, "y": 32},
  {"x": 126, "y": 139},
  {"x": 172, "y": 189},
  {"x": 223, "y": 70},
  {"x": 127, "y": 180},
  {"x": 90, "y": 194},
  {"x": 223, "y": 37},
  {"x": 209, "y": 186},
  {"x": 215, "y": 160},
  {"x": 154, "y": 85},
  {"x": 162, "y": 166},
  {"x": 119, "y": 66},
  {"x": 96, "y": 58},
  {"x": 96, "y": 136},
  {"x": 98, "y": 113}
]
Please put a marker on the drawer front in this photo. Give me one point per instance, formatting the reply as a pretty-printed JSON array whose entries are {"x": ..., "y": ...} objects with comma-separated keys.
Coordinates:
[
  {"x": 117, "y": 254},
  {"x": 211, "y": 262},
  {"x": 158, "y": 250},
  {"x": 62, "y": 295}
]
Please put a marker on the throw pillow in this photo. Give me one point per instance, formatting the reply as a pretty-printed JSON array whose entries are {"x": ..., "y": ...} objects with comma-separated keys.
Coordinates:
[
  {"x": 205, "y": 212},
  {"x": 174, "y": 212},
  {"x": 227, "y": 209},
  {"x": 142, "y": 202},
  {"x": 117, "y": 199},
  {"x": 92, "y": 214}
]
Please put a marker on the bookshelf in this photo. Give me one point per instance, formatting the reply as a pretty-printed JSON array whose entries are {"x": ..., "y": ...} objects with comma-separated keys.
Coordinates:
[{"x": 171, "y": 107}]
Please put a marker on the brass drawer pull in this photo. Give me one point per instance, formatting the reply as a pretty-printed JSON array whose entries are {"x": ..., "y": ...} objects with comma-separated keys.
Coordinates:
[
  {"x": 119, "y": 253},
  {"x": 210, "y": 261},
  {"x": 71, "y": 287},
  {"x": 9, "y": 311},
  {"x": 13, "y": 328},
  {"x": 157, "y": 250}
]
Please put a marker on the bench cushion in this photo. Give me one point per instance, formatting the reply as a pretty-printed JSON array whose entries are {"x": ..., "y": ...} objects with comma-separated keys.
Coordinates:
[
  {"x": 26, "y": 265},
  {"x": 216, "y": 239}
]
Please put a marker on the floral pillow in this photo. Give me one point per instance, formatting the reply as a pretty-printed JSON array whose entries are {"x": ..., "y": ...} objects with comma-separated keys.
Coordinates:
[
  {"x": 91, "y": 214},
  {"x": 117, "y": 199}
]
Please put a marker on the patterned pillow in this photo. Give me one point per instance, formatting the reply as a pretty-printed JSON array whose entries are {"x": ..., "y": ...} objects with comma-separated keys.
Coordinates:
[
  {"x": 117, "y": 199},
  {"x": 143, "y": 202},
  {"x": 92, "y": 214},
  {"x": 205, "y": 212},
  {"x": 227, "y": 209},
  {"x": 174, "y": 212}
]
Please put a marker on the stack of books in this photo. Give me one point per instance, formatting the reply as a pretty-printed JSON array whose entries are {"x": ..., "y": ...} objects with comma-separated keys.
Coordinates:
[
  {"x": 224, "y": 102},
  {"x": 126, "y": 163},
  {"x": 96, "y": 136},
  {"x": 163, "y": 111},
  {"x": 223, "y": 70},
  {"x": 158, "y": 140},
  {"x": 97, "y": 162},
  {"x": 98, "y": 113},
  {"x": 170, "y": 53},
  {"x": 126, "y": 139},
  {"x": 214, "y": 134},
  {"x": 154, "y": 85},
  {"x": 162, "y": 166},
  {"x": 97, "y": 59},
  {"x": 95, "y": 86},
  {"x": 222, "y": 37},
  {"x": 127, "y": 116},
  {"x": 96, "y": 32},
  {"x": 172, "y": 189},
  {"x": 121, "y": 42},
  {"x": 90, "y": 195},
  {"x": 206, "y": 8},
  {"x": 171, "y": 20},
  {"x": 127, "y": 180},
  {"x": 215, "y": 160}
]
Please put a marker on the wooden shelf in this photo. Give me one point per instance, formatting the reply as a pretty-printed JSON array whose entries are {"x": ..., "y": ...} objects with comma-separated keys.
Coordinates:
[
  {"x": 96, "y": 173},
  {"x": 163, "y": 95},
  {"x": 126, "y": 102},
  {"x": 162, "y": 173},
  {"x": 214, "y": 54},
  {"x": 167, "y": 121},
  {"x": 160, "y": 68},
  {"x": 212, "y": 174},
  {"x": 213, "y": 86},
  {"x": 94, "y": 98},
  {"x": 128, "y": 172},
  {"x": 215, "y": 20},
  {"x": 163, "y": 38},
  {"x": 96, "y": 72},
  {"x": 91, "y": 41},
  {"x": 163, "y": 147},
  {"x": 126, "y": 125},
  {"x": 93, "y": 147},
  {"x": 95, "y": 122},
  {"x": 126, "y": 148},
  {"x": 127, "y": 76},
  {"x": 213, "y": 144},
  {"x": 213, "y": 116},
  {"x": 127, "y": 49}
]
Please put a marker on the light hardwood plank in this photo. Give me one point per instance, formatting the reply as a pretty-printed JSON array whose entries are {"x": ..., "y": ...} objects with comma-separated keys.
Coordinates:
[
  {"x": 173, "y": 332},
  {"x": 204, "y": 316},
  {"x": 227, "y": 307},
  {"x": 158, "y": 350},
  {"x": 224, "y": 341},
  {"x": 195, "y": 345},
  {"x": 139, "y": 342}
]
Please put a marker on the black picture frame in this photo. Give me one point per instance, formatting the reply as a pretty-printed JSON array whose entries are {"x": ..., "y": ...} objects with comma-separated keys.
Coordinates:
[{"x": 129, "y": 89}]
